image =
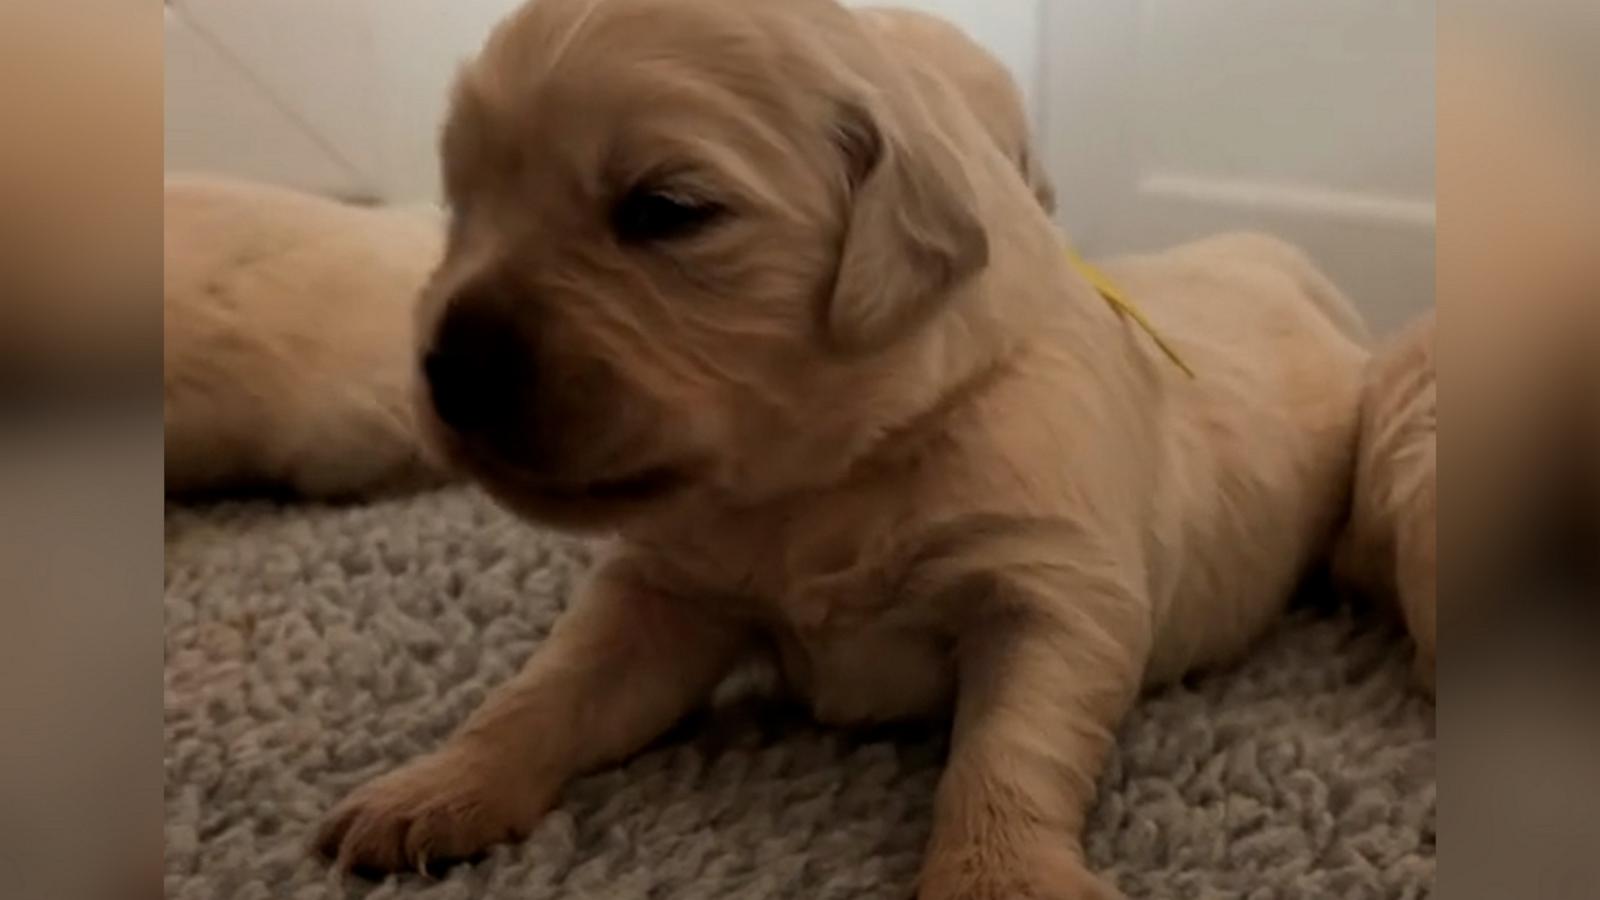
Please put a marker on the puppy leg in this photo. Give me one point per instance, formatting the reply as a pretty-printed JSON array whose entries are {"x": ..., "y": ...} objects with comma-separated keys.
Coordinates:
[
  {"x": 619, "y": 669},
  {"x": 1417, "y": 575},
  {"x": 1040, "y": 693}
]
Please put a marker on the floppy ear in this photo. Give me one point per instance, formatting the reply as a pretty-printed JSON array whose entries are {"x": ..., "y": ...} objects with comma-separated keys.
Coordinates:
[
  {"x": 1044, "y": 189},
  {"x": 913, "y": 233}
]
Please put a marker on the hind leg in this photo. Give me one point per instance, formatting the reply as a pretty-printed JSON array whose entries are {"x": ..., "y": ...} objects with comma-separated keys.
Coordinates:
[{"x": 1417, "y": 575}]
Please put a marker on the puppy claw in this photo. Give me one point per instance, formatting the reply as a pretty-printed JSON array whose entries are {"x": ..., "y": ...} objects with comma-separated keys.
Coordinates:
[
  {"x": 444, "y": 807},
  {"x": 1049, "y": 879}
]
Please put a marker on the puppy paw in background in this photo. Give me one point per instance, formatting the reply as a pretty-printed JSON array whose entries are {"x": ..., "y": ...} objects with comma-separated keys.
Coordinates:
[
  {"x": 288, "y": 341},
  {"x": 1390, "y": 548}
]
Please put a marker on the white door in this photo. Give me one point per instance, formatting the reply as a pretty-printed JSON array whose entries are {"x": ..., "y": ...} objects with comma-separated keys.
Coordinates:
[{"x": 1166, "y": 120}]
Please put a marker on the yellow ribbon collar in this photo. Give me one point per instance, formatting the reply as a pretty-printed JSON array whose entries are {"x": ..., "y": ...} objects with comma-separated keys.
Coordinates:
[{"x": 1124, "y": 307}]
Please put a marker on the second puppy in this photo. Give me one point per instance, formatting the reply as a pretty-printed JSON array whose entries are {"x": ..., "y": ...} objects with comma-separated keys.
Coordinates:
[
  {"x": 1391, "y": 544},
  {"x": 288, "y": 335}
]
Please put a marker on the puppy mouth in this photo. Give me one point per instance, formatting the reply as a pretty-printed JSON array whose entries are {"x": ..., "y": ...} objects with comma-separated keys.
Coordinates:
[
  {"x": 645, "y": 484},
  {"x": 562, "y": 494}
]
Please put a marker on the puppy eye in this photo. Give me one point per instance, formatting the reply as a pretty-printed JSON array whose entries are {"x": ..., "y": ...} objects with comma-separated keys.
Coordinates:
[{"x": 647, "y": 215}]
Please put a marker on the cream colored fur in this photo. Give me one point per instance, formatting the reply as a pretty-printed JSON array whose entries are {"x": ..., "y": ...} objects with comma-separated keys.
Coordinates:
[
  {"x": 288, "y": 336},
  {"x": 868, "y": 423},
  {"x": 983, "y": 82},
  {"x": 1391, "y": 546}
]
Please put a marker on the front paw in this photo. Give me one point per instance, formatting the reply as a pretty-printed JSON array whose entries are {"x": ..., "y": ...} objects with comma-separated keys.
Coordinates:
[
  {"x": 448, "y": 806},
  {"x": 1005, "y": 876}
]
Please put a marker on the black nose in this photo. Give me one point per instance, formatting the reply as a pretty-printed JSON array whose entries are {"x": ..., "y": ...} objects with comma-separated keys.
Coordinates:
[{"x": 475, "y": 370}]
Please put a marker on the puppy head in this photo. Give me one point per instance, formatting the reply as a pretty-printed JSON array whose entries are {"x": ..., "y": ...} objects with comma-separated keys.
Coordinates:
[{"x": 687, "y": 237}]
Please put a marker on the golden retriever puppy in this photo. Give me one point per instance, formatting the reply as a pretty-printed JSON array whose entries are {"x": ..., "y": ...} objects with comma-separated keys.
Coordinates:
[
  {"x": 288, "y": 340},
  {"x": 777, "y": 311},
  {"x": 1391, "y": 544}
]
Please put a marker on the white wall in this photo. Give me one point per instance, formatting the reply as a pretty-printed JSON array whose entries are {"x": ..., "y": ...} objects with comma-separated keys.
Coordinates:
[
  {"x": 237, "y": 101},
  {"x": 419, "y": 46},
  {"x": 1168, "y": 120},
  {"x": 347, "y": 97},
  {"x": 342, "y": 97}
]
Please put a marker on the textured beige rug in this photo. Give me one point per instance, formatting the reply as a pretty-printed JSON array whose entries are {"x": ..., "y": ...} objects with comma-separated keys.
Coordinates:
[{"x": 310, "y": 648}]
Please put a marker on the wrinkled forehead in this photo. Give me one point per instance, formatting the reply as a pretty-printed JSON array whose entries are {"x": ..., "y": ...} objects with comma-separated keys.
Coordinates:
[{"x": 611, "y": 91}]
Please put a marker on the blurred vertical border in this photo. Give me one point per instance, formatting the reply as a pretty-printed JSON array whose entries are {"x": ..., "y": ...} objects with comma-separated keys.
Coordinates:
[
  {"x": 1519, "y": 284},
  {"x": 80, "y": 448}
]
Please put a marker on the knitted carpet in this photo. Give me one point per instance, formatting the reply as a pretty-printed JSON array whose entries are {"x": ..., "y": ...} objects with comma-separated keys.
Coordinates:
[{"x": 309, "y": 648}]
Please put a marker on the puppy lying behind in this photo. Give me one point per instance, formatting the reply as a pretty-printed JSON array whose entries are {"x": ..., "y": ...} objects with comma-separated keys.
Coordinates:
[
  {"x": 1391, "y": 544},
  {"x": 288, "y": 340},
  {"x": 778, "y": 311}
]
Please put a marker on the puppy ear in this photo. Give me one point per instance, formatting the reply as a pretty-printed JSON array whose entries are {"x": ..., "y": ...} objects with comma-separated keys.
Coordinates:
[
  {"x": 913, "y": 234},
  {"x": 1044, "y": 189}
]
